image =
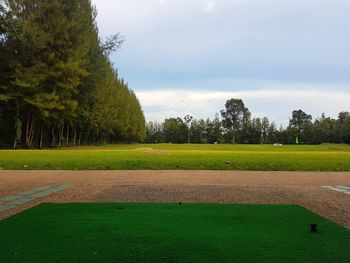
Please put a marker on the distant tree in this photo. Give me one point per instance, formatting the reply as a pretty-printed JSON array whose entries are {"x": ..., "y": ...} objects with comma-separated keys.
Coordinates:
[
  {"x": 300, "y": 121},
  {"x": 235, "y": 117},
  {"x": 187, "y": 119},
  {"x": 198, "y": 131},
  {"x": 344, "y": 129},
  {"x": 213, "y": 130},
  {"x": 154, "y": 132},
  {"x": 343, "y": 115},
  {"x": 299, "y": 118},
  {"x": 272, "y": 134},
  {"x": 175, "y": 130},
  {"x": 265, "y": 128},
  {"x": 216, "y": 129},
  {"x": 254, "y": 133}
]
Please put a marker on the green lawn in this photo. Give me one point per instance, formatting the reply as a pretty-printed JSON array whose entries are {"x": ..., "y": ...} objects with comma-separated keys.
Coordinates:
[
  {"x": 326, "y": 157},
  {"x": 113, "y": 232}
]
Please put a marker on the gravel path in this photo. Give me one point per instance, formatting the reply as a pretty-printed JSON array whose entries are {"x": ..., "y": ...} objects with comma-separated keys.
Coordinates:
[{"x": 303, "y": 188}]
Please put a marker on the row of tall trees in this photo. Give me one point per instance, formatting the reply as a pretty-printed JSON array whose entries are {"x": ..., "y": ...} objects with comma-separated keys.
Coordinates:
[
  {"x": 57, "y": 84},
  {"x": 237, "y": 126}
]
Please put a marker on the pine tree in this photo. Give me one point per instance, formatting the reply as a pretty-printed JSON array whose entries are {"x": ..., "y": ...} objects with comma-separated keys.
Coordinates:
[{"x": 56, "y": 78}]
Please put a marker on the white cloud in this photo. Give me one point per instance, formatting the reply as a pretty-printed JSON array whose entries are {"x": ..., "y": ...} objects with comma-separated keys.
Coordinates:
[
  {"x": 277, "y": 104},
  {"x": 210, "y": 6},
  {"x": 250, "y": 46},
  {"x": 163, "y": 2}
]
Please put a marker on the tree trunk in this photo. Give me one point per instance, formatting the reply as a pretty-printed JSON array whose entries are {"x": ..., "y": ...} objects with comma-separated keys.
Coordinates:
[
  {"x": 18, "y": 127},
  {"x": 67, "y": 139},
  {"x": 53, "y": 143},
  {"x": 15, "y": 143},
  {"x": 31, "y": 132},
  {"x": 79, "y": 138},
  {"x": 74, "y": 137},
  {"x": 60, "y": 134},
  {"x": 86, "y": 137},
  {"x": 41, "y": 135},
  {"x": 27, "y": 129},
  {"x": 93, "y": 138}
]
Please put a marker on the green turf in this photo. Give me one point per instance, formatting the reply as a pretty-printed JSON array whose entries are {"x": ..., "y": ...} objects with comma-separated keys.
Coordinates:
[
  {"x": 112, "y": 232},
  {"x": 185, "y": 157}
]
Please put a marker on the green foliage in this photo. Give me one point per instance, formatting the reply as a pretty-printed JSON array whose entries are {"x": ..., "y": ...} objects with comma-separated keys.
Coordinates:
[
  {"x": 56, "y": 68},
  {"x": 236, "y": 126},
  {"x": 175, "y": 130},
  {"x": 235, "y": 117},
  {"x": 344, "y": 129},
  {"x": 299, "y": 118},
  {"x": 197, "y": 131},
  {"x": 154, "y": 132}
]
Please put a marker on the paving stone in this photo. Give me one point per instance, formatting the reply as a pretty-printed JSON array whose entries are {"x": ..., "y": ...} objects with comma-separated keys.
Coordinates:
[
  {"x": 36, "y": 190},
  {"x": 39, "y": 194},
  {"x": 3, "y": 208},
  {"x": 338, "y": 189},
  {"x": 344, "y": 187},
  {"x": 9, "y": 198},
  {"x": 12, "y": 201},
  {"x": 51, "y": 190},
  {"x": 21, "y": 201},
  {"x": 57, "y": 188},
  {"x": 61, "y": 187}
]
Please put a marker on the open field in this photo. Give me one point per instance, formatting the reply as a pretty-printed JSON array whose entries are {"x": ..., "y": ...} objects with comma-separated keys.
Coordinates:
[
  {"x": 129, "y": 232},
  {"x": 326, "y": 157}
]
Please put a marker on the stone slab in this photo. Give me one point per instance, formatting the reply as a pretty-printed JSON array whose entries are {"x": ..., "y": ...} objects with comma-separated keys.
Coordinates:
[
  {"x": 9, "y": 198},
  {"x": 3, "y": 208}
]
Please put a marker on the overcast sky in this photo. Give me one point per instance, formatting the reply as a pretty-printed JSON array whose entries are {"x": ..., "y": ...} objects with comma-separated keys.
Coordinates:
[{"x": 190, "y": 56}]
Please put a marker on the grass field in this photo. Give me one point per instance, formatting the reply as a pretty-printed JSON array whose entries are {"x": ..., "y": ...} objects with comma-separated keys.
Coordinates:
[
  {"x": 106, "y": 232},
  {"x": 326, "y": 157}
]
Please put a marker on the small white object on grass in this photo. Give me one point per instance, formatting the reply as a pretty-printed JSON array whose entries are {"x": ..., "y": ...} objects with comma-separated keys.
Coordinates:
[{"x": 278, "y": 144}]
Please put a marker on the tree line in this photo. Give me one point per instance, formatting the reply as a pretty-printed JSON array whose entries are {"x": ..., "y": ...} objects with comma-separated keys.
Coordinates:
[
  {"x": 235, "y": 125},
  {"x": 57, "y": 84}
]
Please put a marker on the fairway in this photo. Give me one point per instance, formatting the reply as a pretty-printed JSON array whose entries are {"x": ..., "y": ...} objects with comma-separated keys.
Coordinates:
[
  {"x": 121, "y": 232},
  {"x": 327, "y": 157}
]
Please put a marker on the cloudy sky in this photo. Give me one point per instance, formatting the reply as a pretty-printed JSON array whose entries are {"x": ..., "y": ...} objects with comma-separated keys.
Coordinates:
[{"x": 190, "y": 56}]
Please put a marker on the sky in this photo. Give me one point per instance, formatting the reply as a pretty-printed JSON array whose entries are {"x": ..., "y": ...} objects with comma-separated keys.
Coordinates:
[{"x": 190, "y": 56}]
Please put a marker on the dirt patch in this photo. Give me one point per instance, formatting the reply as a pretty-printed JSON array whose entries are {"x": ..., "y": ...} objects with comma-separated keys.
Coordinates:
[
  {"x": 187, "y": 186},
  {"x": 151, "y": 150}
]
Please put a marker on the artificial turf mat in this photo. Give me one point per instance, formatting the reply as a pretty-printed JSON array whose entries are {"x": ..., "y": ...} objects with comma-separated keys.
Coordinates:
[{"x": 129, "y": 232}]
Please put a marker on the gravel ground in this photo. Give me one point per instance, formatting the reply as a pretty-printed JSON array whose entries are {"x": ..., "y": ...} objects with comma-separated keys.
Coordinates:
[{"x": 303, "y": 188}]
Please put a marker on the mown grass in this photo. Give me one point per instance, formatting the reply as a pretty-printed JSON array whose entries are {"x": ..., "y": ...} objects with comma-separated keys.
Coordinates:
[
  {"x": 128, "y": 232},
  {"x": 327, "y": 157}
]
